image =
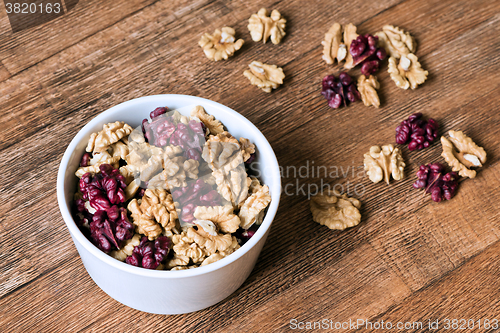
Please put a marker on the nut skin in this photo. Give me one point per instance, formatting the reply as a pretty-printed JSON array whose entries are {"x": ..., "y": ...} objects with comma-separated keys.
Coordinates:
[
  {"x": 434, "y": 180},
  {"x": 149, "y": 254},
  {"x": 366, "y": 53},
  {"x": 339, "y": 91},
  {"x": 418, "y": 132}
]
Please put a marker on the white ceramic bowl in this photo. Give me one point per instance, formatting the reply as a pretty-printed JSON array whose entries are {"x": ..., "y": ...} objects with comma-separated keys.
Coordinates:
[{"x": 166, "y": 292}]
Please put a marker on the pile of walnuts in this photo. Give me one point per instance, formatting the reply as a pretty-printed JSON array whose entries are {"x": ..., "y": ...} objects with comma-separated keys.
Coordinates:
[
  {"x": 172, "y": 194},
  {"x": 343, "y": 44}
]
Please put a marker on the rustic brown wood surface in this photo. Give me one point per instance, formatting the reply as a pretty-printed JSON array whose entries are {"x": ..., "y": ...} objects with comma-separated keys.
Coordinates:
[{"x": 409, "y": 260}]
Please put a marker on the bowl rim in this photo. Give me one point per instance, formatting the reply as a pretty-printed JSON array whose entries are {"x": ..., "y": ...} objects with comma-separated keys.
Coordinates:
[{"x": 79, "y": 237}]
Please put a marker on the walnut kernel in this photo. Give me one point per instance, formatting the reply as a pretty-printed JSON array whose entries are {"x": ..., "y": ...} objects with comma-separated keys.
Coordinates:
[
  {"x": 247, "y": 148},
  {"x": 333, "y": 48},
  {"x": 396, "y": 41},
  {"x": 262, "y": 26},
  {"x": 214, "y": 126},
  {"x": 185, "y": 246},
  {"x": 127, "y": 248},
  {"x": 252, "y": 210},
  {"x": 381, "y": 162},
  {"x": 462, "y": 154},
  {"x": 408, "y": 73},
  {"x": 177, "y": 169},
  {"x": 264, "y": 76},
  {"x": 211, "y": 244},
  {"x": 111, "y": 133},
  {"x": 367, "y": 88},
  {"x": 155, "y": 214},
  {"x": 336, "y": 211},
  {"x": 225, "y": 159},
  {"x": 222, "y": 216},
  {"x": 349, "y": 35},
  {"x": 220, "y": 45}
]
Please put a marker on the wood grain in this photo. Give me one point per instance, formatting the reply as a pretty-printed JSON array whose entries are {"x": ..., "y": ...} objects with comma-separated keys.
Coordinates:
[{"x": 409, "y": 260}]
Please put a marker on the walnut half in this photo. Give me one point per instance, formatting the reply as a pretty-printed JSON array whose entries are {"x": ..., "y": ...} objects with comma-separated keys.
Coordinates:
[
  {"x": 462, "y": 154},
  {"x": 333, "y": 48},
  {"x": 336, "y": 211},
  {"x": 396, "y": 41},
  {"x": 252, "y": 210},
  {"x": 220, "y": 45},
  {"x": 350, "y": 34},
  {"x": 111, "y": 133},
  {"x": 222, "y": 216},
  {"x": 367, "y": 89},
  {"x": 336, "y": 44},
  {"x": 262, "y": 26},
  {"x": 264, "y": 76},
  {"x": 408, "y": 73},
  {"x": 155, "y": 214},
  {"x": 381, "y": 162},
  {"x": 214, "y": 126}
]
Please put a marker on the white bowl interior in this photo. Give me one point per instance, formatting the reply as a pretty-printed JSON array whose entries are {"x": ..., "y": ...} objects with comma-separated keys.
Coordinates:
[{"x": 132, "y": 112}]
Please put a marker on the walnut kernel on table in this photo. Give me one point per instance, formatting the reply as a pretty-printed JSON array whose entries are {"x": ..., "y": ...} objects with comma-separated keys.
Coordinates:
[
  {"x": 408, "y": 73},
  {"x": 220, "y": 45},
  {"x": 264, "y": 76},
  {"x": 262, "y": 26},
  {"x": 367, "y": 88},
  {"x": 214, "y": 126},
  {"x": 336, "y": 211},
  {"x": 110, "y": 133},
  {"x": 396, "y": 41},
  {"x": 382, "y": 162},
  {"x": 349, "y": 35},
  {"x": 336, "y": 44},
  {"x": 462, "y": 154},
  {"x": 333, "y": 48}
]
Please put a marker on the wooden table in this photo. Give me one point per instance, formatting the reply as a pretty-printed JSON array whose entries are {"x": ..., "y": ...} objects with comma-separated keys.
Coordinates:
[{"x": 409, "y": 260}]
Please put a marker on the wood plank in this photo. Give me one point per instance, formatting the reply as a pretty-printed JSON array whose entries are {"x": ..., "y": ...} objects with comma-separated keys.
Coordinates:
[
  {"x": 32, "y": 149},
  {"x": 23, "y": 49},
  {"x": 409, "y": 259},
  {"x": 52, "y": 306},
  {"x": 470, "y": 292}
]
